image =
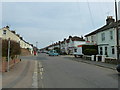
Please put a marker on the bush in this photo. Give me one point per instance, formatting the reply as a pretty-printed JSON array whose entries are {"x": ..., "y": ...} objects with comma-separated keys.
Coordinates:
[
  {"x": 14, "y": 48},
  {"x": 90, "y": 51}
]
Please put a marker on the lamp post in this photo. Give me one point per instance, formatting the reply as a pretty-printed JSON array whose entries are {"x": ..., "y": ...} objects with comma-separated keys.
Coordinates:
[
  {"x": 117, "y": 31},
  {"x": 36, "y": 45},
  {"x": 8, "y": 68}
]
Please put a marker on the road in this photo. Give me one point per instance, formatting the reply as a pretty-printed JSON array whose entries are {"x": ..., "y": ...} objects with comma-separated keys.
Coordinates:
[{"x": 58, "y": 72}]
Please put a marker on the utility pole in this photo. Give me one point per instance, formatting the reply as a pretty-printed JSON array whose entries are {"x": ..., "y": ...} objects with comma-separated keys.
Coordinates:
[
  {"x": 117, "y": 30},
  {"x": 8, "y": 68}
]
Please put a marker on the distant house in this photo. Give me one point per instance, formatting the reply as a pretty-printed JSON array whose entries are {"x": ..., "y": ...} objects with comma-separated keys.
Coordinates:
[
  {"x": 62, "y": 47},
  {"x": 105, "y": 38},
  {"x": 74, "y": 42},
  {"x": 68, "y": 45}
]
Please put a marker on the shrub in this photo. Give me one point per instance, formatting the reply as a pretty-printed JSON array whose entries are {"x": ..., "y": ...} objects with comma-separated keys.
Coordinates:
[
  {"x": 14, "y": 48},
  {"x": 90, "y": 51}
]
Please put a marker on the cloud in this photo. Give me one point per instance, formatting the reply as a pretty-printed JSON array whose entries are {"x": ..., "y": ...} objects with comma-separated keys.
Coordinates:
[{"x": 46, "y": 21}]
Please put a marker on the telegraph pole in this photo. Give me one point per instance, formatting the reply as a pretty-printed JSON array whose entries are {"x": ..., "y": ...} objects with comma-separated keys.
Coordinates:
[{"x": 117, "y": 30}]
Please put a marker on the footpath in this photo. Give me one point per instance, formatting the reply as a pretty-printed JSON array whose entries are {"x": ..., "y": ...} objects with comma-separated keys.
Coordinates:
[
  {"x": 101, "y": 64},
  {"x": 20, "y": 76}
]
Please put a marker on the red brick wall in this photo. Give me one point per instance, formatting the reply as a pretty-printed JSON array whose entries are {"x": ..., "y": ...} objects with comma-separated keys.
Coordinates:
[{"x": 5, "y": 63}]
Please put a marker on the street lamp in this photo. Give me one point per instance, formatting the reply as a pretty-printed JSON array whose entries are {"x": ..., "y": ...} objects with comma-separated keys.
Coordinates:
[
  {"x": 36, "y": 45},
  {"x": 8, "y": 68}
]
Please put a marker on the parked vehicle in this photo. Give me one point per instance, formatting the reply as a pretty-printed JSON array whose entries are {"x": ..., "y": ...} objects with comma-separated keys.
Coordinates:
[
  {"x": 53, "y": 53},
  {"x": 78, "y": 51},
  {"x": 118, "y": 68}
]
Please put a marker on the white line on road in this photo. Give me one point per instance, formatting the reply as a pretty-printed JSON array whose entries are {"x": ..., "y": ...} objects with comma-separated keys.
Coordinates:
[
  {"x": 41, "y": 74},
  {"x": 35, "y": 76}
]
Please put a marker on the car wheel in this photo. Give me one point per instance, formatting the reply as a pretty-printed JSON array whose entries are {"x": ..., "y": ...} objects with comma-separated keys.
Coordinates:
[{"x": 118, "y": 68}]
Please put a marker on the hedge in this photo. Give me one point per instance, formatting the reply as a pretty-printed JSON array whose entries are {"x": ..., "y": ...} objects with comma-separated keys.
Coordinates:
[
  {"x": 90, "y": 49},
  {"x": 14, "y": 48}
]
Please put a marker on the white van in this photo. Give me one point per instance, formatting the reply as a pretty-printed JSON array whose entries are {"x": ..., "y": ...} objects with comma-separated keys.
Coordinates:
[{"x": 78, "y": 51}]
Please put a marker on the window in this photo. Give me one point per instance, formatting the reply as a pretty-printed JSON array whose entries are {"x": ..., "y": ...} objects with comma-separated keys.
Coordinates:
[
  {"x": 4, "y": 32},
  {"x": 113, "y": 50},
  {"x": 92, "y": 38},
  {"x": 111, "y": 35},
  {"x": 105, "y": 50},
  {"x": 103, "y": 36},
  {"x": 75, "y": 50},
  {"x": 87, "y": 38},
  {"x": 101, "y": 51}
]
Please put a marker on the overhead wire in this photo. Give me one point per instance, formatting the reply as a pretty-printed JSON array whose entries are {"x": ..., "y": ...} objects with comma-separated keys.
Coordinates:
[{"x": 90, "y": 14}]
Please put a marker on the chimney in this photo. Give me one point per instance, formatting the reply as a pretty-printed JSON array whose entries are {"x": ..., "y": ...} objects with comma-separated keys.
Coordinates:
[
  {"x": 18, "y": 35},
  {"x": 64, "y": 39},
  {"x": 21, "y": 38},
  {"x": 13, "y": 32},
  {"x": 70, "y": 36},
  {"x": 7, "y": 27},
  {"x": 109, "y": 20}
]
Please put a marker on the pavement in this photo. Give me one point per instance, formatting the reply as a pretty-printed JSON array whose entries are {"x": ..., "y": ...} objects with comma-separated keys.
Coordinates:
[
  {"x": 101, "y": 64},
  {"x": 20, "y": 76}
]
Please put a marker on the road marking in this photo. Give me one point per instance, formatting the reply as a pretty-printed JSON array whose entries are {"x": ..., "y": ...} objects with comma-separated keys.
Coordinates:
[
  {"x": 35, "y": 76},
  {"x": 41, "y": 74}
]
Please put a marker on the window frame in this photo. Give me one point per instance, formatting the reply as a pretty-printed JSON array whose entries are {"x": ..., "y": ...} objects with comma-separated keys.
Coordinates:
[
  {"x": 111, "y": 35},
  {"x": 4, "y": 32},
  {"x": 103, "y": 36}
]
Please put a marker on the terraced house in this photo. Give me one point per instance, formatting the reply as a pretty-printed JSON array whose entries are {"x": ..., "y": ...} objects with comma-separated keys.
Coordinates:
[
  {"x": 6, "y": 33},
  {"x": 105, "y": 38},
  {"x": 68, "y": 45}
]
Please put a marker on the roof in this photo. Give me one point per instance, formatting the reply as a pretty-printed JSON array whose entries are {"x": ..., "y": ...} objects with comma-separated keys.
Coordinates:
[
  {"x": 104, "y": 28},
  {"x": 75, "y": 38},
  {"x": 12, "y": 31},
  {"x": 67, "y": 40}
]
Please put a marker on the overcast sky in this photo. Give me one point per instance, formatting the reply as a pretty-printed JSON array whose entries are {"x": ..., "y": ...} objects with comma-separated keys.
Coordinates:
[{"x": 47, "y": 22}]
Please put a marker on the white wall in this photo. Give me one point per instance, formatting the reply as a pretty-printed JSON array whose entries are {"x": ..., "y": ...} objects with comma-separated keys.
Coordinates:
[
  {"x": 8, "y": 35},
  {"x": 107, "y": 42}
]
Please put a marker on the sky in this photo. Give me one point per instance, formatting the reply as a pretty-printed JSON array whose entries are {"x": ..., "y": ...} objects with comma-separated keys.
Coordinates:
[{"x": 49, "y": 22}]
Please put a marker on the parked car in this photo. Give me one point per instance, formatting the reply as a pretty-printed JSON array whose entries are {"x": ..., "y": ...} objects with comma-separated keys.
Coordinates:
[
  {"x": 53, "y": 53},
  {"x": 118, "y": 68},
  {"x": 47, "y": 52}
]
